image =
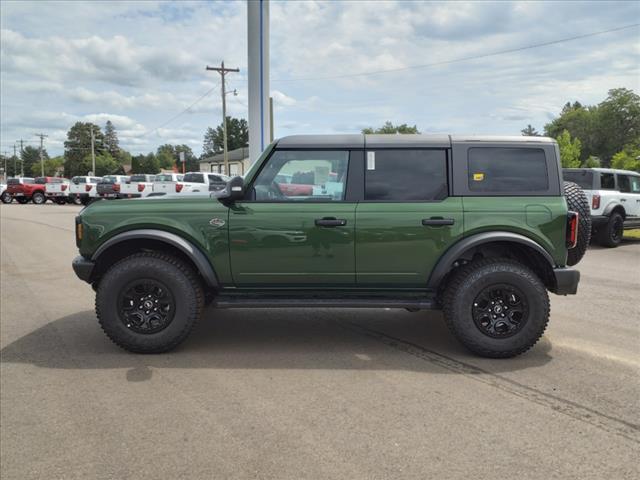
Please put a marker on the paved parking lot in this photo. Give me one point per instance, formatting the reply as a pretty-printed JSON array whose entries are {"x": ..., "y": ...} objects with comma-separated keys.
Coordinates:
[{"x": 309, "y": 393}]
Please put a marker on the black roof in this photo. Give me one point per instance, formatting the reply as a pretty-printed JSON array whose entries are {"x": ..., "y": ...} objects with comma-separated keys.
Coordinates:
[{"x": 401, "y": 140}]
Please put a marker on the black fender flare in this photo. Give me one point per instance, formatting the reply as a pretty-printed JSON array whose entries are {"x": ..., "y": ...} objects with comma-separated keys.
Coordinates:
[
  {"x": 445, "y": 264},
  {"x": 189, "y": 249},
  {"x": 611, "y": 207}
]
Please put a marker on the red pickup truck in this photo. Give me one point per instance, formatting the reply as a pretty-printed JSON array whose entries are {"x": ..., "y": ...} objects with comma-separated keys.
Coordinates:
[{"x": 25, "y": 188}]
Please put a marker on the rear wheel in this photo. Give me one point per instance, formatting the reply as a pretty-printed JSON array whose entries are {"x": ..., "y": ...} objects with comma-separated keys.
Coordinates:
[
  {"x": 38, "y": 198},
  {"x": 577, "y": 202},
  {"x": 149, "y": 302},
  {"x": 611, "y": 234},
  {"x": 496, "y": 307},
  {"x": 22, "y": 200},
  {"x": 6, "y": 197}
]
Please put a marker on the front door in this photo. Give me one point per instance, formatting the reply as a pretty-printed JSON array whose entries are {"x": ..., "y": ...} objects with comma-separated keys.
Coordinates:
[
  {"x": 407, "y": 220},
  {"x": 296, "y": 229}
]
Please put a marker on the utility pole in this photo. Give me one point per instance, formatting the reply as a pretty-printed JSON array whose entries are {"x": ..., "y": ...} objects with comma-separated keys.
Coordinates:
[
  {"x": 93, "y": 152},
  {"x": 21, "y": 158},
  {"x": 4, "y": 173},
  {"x": 15, "y": 158},
  {"x": 223, "y": 71},
  {"x": 42, "y": 137}
]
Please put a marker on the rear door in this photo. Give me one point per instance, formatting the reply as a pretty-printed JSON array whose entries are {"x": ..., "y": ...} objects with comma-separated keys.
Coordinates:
[
  {"x": 407, "y": 218},
  {"x": 629, "y": 186},
  {"x": 294, "y": 239}
]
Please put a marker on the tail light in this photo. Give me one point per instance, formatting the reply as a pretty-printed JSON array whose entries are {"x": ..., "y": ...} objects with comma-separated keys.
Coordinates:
[
  {"x": 179, "y": 187},
  {"x": 141, "y": 187},
  {"x": 116, "y": 187},
  {"x": 595, "y": 202},
  {"x": 63, "y": 187},
  {"x": 87, "y": 188},
  {"x": 572, "y": 229}
]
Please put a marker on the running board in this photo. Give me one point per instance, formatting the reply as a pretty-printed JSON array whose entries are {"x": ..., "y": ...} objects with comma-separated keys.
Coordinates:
[{"x": 371, "y": 302}]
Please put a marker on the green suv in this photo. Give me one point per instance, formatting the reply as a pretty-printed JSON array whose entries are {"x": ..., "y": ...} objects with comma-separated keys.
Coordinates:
[{"x": 480, "y": 227}]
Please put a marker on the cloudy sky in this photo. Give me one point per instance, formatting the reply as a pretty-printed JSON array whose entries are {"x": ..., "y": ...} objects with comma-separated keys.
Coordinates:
[{"x": 335, "y": 66}]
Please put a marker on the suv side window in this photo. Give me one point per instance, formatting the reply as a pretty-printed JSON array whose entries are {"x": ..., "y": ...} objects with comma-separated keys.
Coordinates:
[
  {"x": 626, "y": 184},
  {"x": 635, "y": 183},
  {"x": 303, "y": 175},
  {"x": 504, "y": 169},
  {"x": 405, "y": 175},
  {"x": 607, "y": 181}
]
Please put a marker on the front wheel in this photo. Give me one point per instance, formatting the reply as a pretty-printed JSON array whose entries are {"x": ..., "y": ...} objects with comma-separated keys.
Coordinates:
[
  {"x": 497, "y": 308},
  {"x": 6, "y": 197},
  {"x": 38, "y": 198},
  {"x": 149, "y": 302}
]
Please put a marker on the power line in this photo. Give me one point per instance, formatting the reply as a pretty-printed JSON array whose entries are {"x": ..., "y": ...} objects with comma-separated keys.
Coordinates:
[
  {"x": 461, "y": 59},
  {"x": 206, "y": 94}
]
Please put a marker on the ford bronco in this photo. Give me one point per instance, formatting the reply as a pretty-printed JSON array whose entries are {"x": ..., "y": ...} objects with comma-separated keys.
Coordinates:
[{"x": 480, "y": 227}]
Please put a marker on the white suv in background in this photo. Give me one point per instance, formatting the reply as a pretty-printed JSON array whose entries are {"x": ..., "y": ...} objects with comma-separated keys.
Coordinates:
[
  {"x": 194, "y": 182},
  {"x": 614, "y": 196},
  {"x": 58, "y": 192}
]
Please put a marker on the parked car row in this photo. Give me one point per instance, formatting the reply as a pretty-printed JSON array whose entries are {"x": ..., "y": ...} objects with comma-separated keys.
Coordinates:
[{"x": 84, "y": 189}]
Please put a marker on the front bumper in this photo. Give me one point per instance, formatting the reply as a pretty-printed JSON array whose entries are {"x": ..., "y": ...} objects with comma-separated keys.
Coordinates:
[
  {"x": 83, "y": 268},
  {"x": 566, "y": 281}
]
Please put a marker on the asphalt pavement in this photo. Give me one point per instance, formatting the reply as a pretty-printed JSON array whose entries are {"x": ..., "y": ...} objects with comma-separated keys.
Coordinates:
[{"x": 308, "y": 394}]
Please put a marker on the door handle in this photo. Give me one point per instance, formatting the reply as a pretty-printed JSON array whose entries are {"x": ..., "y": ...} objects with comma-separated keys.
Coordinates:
[
  {"x": 330, "y": 222},
  {"x": 437, "y": 221}
]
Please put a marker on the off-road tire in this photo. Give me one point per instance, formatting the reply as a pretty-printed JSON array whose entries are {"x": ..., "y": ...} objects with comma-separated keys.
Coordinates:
[
  {"x": 471, "y": 279},
  {"x": 577, "y": 202},
  {"x": 607, "y": 236},
  {"x": 6, "y": 197},
  {"x": 22, "y": 200},
  {"x": 180, "y": 280},
  {"x": 38, "y": 198}
]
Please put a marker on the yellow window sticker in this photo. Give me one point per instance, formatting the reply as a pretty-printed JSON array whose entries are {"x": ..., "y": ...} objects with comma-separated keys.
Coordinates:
[{"x": 478, "y": 177}]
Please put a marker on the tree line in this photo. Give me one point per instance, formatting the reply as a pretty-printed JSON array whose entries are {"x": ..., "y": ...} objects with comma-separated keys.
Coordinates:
[{"x": 602, "y": 135}]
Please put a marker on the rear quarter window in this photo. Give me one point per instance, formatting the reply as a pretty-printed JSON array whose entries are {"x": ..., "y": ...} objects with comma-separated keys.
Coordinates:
[
  {"x": 507, "y": 169},
  {"x": 607, "y": 181},
  {"x": 583, "y": 178},
  {"x": 194, "y": 178}
]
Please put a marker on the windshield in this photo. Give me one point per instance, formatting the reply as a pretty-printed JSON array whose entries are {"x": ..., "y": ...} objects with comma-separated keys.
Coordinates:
[
  {"x": 164, "y": 178},
  {"x": 41, "y": 180},
  {"x": 584, "y": 178},
  {"x": 138, "y": 178},
  {"x": 78, "y": 180},
  {"x": 109, "y": 179}
]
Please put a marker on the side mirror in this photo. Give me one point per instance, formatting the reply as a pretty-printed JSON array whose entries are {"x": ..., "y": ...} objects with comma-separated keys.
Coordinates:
[{"x": 233, "y": 191}]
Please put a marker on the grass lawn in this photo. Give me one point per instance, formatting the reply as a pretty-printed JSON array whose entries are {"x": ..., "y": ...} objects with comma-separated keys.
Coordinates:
[{"x": 634, "y": 233}]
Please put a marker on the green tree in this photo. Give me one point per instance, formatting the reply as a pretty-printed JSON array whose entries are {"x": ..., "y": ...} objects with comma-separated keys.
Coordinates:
[
  {"x": 52, "y": 167},
  {"x": 122, "y": 157},
  {"x": 105, "y": 164},
  {"x": 31, "y": 156},
  {"x": 78, "y": 146},
  {"x": 111, "y": 139},
  {"x": 628, "y": 158},
  {"x": 390, "y": 128},
  {"x": 145, "y": 164},
  {"x": 237, "y": 137},
  {"x": 592, "y": 162},
  {"x": 529, "y": 131},
  {"x": 618, "y": 121},
  {"x": 167, "y": 156},
  {"x": 569, "y": 150},
  {"x": 580, "y": 122},
  {"x": 12, "y": 165}
]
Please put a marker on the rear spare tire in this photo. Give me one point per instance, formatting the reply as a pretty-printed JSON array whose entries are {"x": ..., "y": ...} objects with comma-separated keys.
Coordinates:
[{"x": 577, "y": 202}]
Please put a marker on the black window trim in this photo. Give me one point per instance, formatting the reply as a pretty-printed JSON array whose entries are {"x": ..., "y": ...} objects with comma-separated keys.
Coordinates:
[
  {"x": 447, "y": 159},
  {"x": 460, "y": 157},
  {"x": 347, "y": 197}
]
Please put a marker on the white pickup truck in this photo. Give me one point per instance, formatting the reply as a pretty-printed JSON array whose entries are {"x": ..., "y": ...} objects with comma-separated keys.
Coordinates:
[
  {"x": 614, "y": 197},
  {"x": 202, "y": 182},
  {"x": 58, "y": 191},
  {"x": 83, "y": 189},
  {"x": 138, "y": 185},
  {"x": 166, "y": 182}
]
